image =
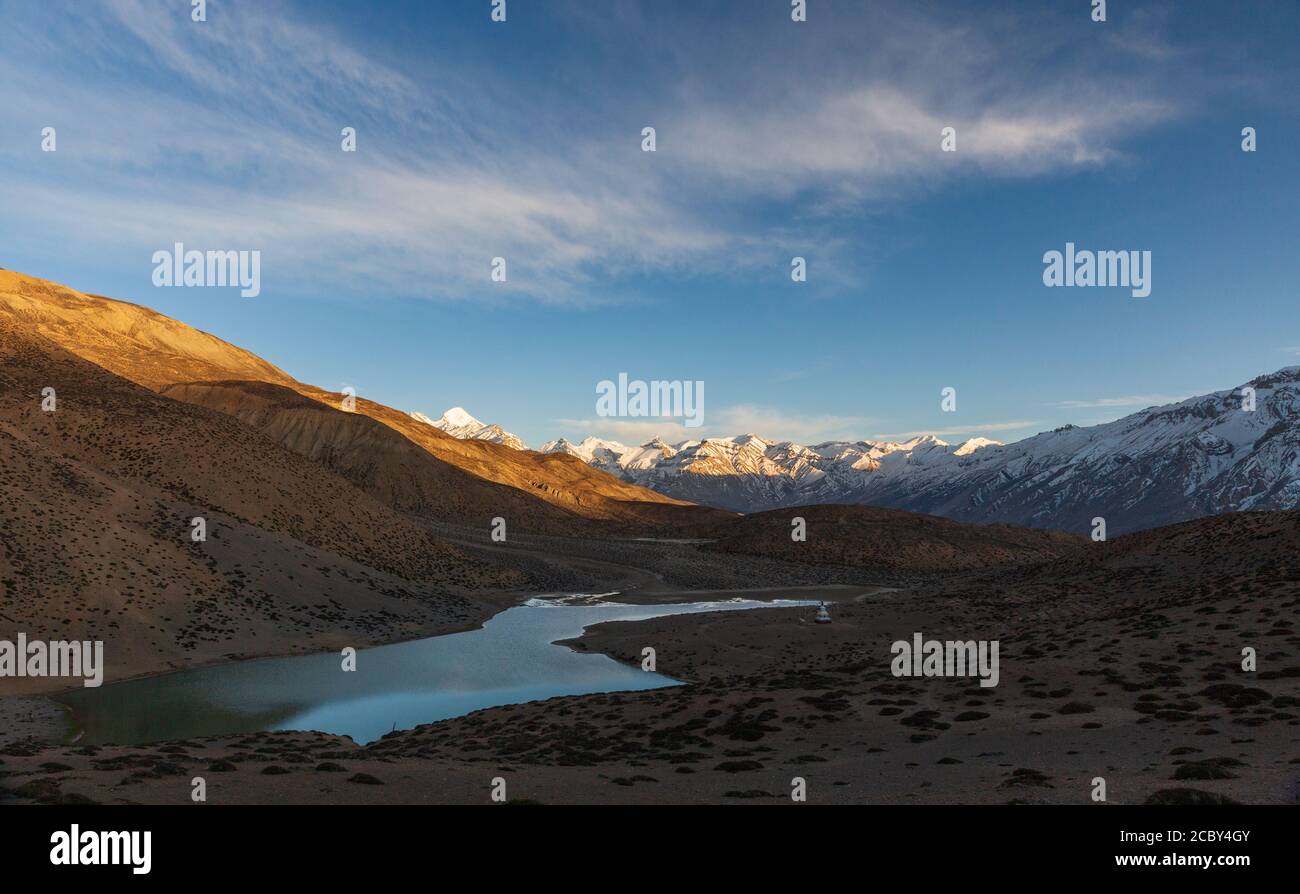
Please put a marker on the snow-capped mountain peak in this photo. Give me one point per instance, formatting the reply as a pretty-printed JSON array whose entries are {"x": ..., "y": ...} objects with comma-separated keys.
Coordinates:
[
  {"x": 590, "y": 449},
  {"x": 970, "y": 446},
  {"x": 456, "y": 417},
  {"x": 922, "y": 441},
  {"x": 460, "y": 424}
]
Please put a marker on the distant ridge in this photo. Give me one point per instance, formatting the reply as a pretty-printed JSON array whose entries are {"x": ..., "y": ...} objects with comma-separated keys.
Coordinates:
[{"x": 1199, "y": 457}]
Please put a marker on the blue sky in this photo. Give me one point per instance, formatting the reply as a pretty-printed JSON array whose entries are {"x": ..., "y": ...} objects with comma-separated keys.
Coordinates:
[{"x": 775, "y": 139}]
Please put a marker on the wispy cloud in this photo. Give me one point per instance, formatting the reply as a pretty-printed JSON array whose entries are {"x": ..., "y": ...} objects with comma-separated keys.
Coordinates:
[
  {"x": 771, "y": 424},
  {"x": 767, "y": 422},
  {"x": 228, "y": 131},
  {"x": 970, "y": 431},
  {"x": 871, "y": 140},
  {"x": 1133, "y": 400}
]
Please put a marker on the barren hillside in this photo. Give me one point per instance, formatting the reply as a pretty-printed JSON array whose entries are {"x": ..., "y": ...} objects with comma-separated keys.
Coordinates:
[{"x": 157, "y": 352}]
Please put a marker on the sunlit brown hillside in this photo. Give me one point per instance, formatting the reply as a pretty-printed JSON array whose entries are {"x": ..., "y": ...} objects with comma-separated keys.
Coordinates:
[
  {"x": 373, "y": 456},
  {"x": 157, "y": 352}
]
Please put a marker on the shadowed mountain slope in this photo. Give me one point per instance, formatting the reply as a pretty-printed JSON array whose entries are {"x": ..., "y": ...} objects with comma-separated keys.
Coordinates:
[
  {"x": 1231, "y": 565},
  {"x": 95, "y": 529},
  {"x": 890, "y": 539},
  {"x": 372, "y": 456},
  {"x": 562, "y": 481}
]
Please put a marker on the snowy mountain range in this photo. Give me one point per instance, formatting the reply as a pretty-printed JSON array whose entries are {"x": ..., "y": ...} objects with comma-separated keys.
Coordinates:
[
  {"x": 749, "y": 473},
  {"x": 1202, "y": 456},
  {"x": 460, "y": 424}
]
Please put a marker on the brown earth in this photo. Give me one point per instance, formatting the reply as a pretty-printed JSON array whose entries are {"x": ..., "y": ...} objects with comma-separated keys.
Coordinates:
[
  {"x": 96, "y": 506},
  {"x": 881, "y": 540},
  {"x": 131, "y": 340},
  {"x": 1124, "y": 664},
  {"x": 395, "y": 458},
  {"x": 376, "y": 458},
  {"x": 155, "y": 351}
]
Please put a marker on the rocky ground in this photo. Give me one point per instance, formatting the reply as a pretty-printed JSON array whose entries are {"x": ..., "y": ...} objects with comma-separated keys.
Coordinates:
[{"x": 1127, "y": 669}]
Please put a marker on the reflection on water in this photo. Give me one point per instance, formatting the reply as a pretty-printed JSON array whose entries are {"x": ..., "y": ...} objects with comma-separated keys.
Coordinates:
[{"x": 509, "y": 661}]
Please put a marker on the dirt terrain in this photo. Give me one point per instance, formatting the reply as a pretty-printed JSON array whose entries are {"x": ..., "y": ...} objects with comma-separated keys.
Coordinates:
[
  {"x": 157, "y": 352},
  {"x": 1130, "y": 672},
  {"x": 889, "y": 540}
]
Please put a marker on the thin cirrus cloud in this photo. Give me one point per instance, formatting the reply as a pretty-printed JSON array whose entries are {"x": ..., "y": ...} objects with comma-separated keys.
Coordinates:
[
  {"x": 228, "y": 132},
  {"x": 264, "y": 170},
  {"x": 862, "y": 123},
  {"x": 872, "y": 140},
  {"x": 731, "y": 421},
  {"x": 1134, "y": 400},
  {"x": 960, "y": 430}
]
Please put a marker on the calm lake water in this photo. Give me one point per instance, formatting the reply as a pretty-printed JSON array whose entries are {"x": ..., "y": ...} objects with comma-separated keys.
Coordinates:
[{"x": 510, "y": 660}]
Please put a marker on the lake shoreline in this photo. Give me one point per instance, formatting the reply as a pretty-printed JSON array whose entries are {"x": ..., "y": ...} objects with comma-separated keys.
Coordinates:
[
  {"x": 82, "y": 715},
  {"x": 34, "y": 718},
  {"x": 777, "y": 698},
  {"x": 58, "y": 727},
  {"x": 41, "y": 718}
]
